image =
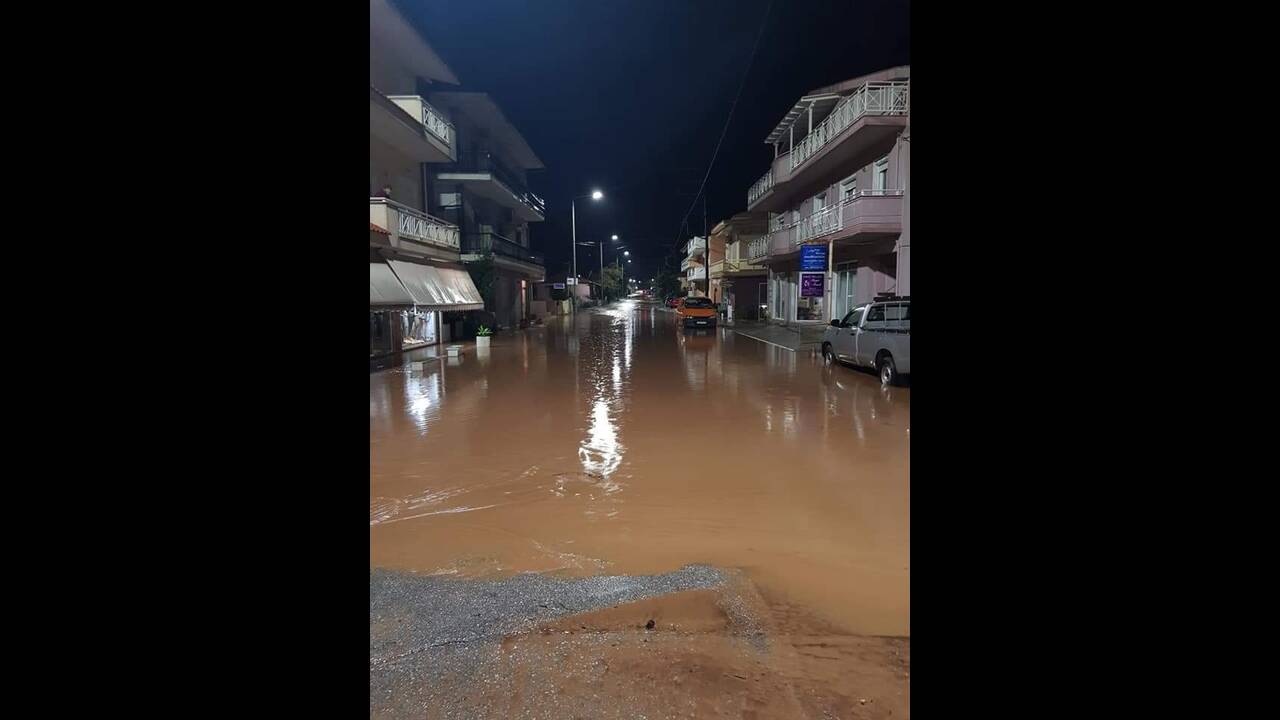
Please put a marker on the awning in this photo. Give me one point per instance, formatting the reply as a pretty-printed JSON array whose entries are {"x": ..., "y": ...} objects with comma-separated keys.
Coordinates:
[
  {"x": 438, "y": 288},
  {"x": 384, "y": 288}
]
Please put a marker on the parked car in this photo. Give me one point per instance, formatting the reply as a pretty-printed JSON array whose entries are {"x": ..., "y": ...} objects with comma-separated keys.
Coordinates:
[
  {"x": 697, "y": 312},
  {"x": 875, "y": 335},
  {"x": 673, "y": 301}
]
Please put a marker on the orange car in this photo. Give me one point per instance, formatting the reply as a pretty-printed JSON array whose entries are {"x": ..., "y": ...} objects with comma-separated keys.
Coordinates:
[{"x": 696, "y": 312}]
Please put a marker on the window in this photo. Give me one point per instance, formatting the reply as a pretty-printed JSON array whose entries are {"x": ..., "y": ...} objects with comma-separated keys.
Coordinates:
[
  {"x": 880, "y": 174},
  {"x": 853, "y": 318},
  {"x": 898, "y": 316},
  {"x": 819, "y": 202},
  {"x": 849, "y": 187},
  {"x": 876, "y": 314},
  {"x": 452, "y": 199}
]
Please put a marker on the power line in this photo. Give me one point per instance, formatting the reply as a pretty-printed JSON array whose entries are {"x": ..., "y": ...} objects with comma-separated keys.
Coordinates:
[{"x": 759, "y": 33}]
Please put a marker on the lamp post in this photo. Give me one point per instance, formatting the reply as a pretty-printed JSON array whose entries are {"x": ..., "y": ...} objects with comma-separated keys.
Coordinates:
[
  {"x": 573, "y": 215},
  {"x": 599, "y": 246}
]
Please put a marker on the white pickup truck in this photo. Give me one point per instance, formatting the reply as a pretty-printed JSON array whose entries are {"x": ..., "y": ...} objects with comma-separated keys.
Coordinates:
[{"x": 875, "y": 335}]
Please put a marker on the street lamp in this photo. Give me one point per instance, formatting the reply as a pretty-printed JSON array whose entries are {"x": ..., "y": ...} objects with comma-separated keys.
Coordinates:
[{"x": 573, "y": 210}]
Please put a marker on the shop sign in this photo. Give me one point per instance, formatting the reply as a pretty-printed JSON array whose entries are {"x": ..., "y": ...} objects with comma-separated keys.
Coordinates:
[
  {"x": 813, "y": 257},
  {"x": 811, "y": 284}
]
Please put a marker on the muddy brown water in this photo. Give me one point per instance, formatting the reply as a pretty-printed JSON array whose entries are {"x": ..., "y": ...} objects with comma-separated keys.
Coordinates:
[{"x": 618, "y": 444}]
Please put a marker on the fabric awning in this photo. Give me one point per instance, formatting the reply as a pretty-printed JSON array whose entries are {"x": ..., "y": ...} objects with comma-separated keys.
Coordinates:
[
  {"x": 438, "y": 288},
  {"x": 385, "y": 288}
]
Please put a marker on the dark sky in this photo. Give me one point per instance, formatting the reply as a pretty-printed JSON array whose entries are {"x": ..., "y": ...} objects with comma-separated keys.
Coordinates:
[{"x": 631, "y": 96}]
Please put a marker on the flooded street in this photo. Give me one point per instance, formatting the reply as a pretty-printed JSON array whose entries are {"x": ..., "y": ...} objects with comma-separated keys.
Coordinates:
[{"x": 629, "y": 447}]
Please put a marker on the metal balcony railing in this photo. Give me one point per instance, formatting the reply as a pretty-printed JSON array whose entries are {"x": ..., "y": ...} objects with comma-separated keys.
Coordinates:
[
  {"x": 486, "y": 162},
  {"x": 874, "y": 98},
  {"x": 760, "y": 187},
  {"x": 758, "y": 247},
  {"x": 492, "y": 243},
  {"x": 433, "y": 120},
  {"x": 405, "y": 222},
  {"x": 831, "y": 219}
]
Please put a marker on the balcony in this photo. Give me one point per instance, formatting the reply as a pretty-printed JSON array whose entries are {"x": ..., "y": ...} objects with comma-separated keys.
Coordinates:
[
  {"x": 866, "y": 215},
  {"x": 766, "y": 193},
  {"x": 433, "y": 120},
  {"x": 696, "y": 272},
  {"x": 760, "y": 187},
  {"x": 758, "y": 248},
  {"x": 412, "y": 230},
  {"x": 485, "y": 175},
  {"x": 695, "y": 247},
  {"x": 490, "y": 243},
  {"x": 878, "y": 98},
  {"x": 411, "y": 126},
  {"x": 738, "y": 259},
  {"x": 860, "y": 127}
]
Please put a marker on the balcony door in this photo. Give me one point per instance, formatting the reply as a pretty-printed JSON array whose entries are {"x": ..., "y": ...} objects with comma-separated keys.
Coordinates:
[{"x": 848, "y": 187}]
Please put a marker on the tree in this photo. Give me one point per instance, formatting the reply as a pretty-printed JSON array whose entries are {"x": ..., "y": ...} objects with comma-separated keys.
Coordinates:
[
  {"x": 484, "y": 274},
  {"x": 668, "y": 282},
  {"x": 613, "y": 282}
]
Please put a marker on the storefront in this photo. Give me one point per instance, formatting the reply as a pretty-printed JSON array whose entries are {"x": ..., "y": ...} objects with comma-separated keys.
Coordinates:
[
  {"x": 791, "y": 299},
  {"x": 419, "y": 327},
  {"x": 406, "y": 300},
  {"x": 844, "y": 291}
]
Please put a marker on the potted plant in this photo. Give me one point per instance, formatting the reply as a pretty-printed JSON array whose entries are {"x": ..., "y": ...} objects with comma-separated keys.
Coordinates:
[{"x": 482, "y": 336}]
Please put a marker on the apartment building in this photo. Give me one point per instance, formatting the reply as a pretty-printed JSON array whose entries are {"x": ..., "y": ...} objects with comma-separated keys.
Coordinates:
[
  {"x": 737, "y": 282},
  {"x": 840, "y": 179},
  {"x": 695, "y": 281},
  {"x": 416, "y": 279},
  {"x": 484, "y": 192}
]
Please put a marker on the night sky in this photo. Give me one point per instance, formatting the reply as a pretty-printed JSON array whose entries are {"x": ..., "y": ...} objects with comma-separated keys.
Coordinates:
[{"x": 632, "y": 95}]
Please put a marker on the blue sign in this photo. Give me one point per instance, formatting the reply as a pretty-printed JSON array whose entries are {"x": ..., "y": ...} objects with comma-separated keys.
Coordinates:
[
  {"x": 813, "y": 257},
  {"x": 557, "y": 286}
]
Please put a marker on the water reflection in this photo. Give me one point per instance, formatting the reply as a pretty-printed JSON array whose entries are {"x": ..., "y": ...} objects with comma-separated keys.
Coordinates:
[
  {"x": 648, "y": 448},
  {"x": 601, "y": 452},
  {"x": 422, "y": 397}
]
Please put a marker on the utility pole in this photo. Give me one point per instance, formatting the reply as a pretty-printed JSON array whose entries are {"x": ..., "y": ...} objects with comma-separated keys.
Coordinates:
[
  {"x": 573, "y": 294},
  {"x": 706, "y": 241}
]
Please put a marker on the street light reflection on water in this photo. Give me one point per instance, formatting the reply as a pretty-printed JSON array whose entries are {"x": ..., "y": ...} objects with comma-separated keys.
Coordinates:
[{"x": 612, "y": 442}]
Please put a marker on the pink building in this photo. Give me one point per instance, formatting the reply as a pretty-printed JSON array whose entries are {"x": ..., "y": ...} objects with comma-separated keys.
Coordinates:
[{"x": 840, "y": 178}]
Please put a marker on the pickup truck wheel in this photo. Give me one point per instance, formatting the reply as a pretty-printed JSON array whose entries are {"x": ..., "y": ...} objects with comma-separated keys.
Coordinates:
[
  {"x": 888, "y": 371},
  {"x": 828, "y": 356}
]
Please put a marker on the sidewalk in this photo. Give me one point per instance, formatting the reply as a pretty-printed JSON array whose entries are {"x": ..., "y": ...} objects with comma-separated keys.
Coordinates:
[{"x": 793, "y": 337}]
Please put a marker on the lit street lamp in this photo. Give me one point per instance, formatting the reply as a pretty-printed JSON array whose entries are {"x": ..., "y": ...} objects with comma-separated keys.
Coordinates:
[{"x": 573, "y": 210}]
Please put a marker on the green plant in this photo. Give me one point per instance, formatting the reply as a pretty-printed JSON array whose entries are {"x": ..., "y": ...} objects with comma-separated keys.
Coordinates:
[
  {"x": 484, "y": 274},
  {"x": 484, "y": 331}
]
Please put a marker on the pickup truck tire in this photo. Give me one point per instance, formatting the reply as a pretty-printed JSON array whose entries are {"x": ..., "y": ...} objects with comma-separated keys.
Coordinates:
[
  {"x": 828, "y": 355},
  {"x": 888, "y": 370}
]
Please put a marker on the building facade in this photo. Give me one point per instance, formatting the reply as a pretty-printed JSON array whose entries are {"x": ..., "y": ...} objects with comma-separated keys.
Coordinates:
[
  {"x": 417, "y": 282},
  {"x": 737, "y": 282},
  {"x": 484, "y": 191},
  {"x": 448, "y": 198},
  {"x": 840, "y": 178},
  {"x": 694, "y": 279}
]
